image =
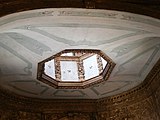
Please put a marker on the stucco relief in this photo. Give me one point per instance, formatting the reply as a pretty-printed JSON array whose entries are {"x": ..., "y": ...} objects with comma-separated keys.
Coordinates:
[
  {"x": 18, "y": 115},
  {"x": 142, "y": 110},
  {"x": 157, "y": 96},
  {"x": 67, "y": 116}
]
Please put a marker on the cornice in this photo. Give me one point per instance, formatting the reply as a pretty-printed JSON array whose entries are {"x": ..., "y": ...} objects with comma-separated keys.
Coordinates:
[
  {"x": 149, "y": 8},
  {"x": 18, "y": 102}
]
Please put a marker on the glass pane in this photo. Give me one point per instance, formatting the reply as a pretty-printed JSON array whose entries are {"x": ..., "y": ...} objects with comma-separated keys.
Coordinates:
[
  {"x": 50, "y": 68},
  {"x": 67, "y": 54},
  {"x": 104, "y": 62},
  {"x": 90, "y": 67},
  {"x": 69, "y": 71}
]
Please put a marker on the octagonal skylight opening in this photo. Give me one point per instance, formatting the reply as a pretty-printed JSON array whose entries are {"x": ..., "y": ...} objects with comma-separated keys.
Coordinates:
[{"x": 75, "y": 66}]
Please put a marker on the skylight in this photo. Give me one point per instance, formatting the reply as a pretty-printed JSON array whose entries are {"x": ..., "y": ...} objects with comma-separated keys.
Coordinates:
[{"x": 75, "y": 68}]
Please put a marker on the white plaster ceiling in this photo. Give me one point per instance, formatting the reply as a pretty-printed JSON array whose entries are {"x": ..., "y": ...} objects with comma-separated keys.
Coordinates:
[{"x": 26, "y": 38}]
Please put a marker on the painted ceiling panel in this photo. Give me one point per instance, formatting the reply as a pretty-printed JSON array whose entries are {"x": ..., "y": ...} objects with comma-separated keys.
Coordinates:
[
  {"x": 82, "y": 34},
  {"x": 26, "y": 38}
]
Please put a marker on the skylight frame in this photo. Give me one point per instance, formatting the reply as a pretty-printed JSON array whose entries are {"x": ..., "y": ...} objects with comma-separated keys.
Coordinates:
[{"x": 81, "y": 84}]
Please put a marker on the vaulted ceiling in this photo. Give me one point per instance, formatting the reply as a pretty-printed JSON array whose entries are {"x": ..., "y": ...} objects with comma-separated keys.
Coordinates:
[{"x": 132, "y": 41}]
